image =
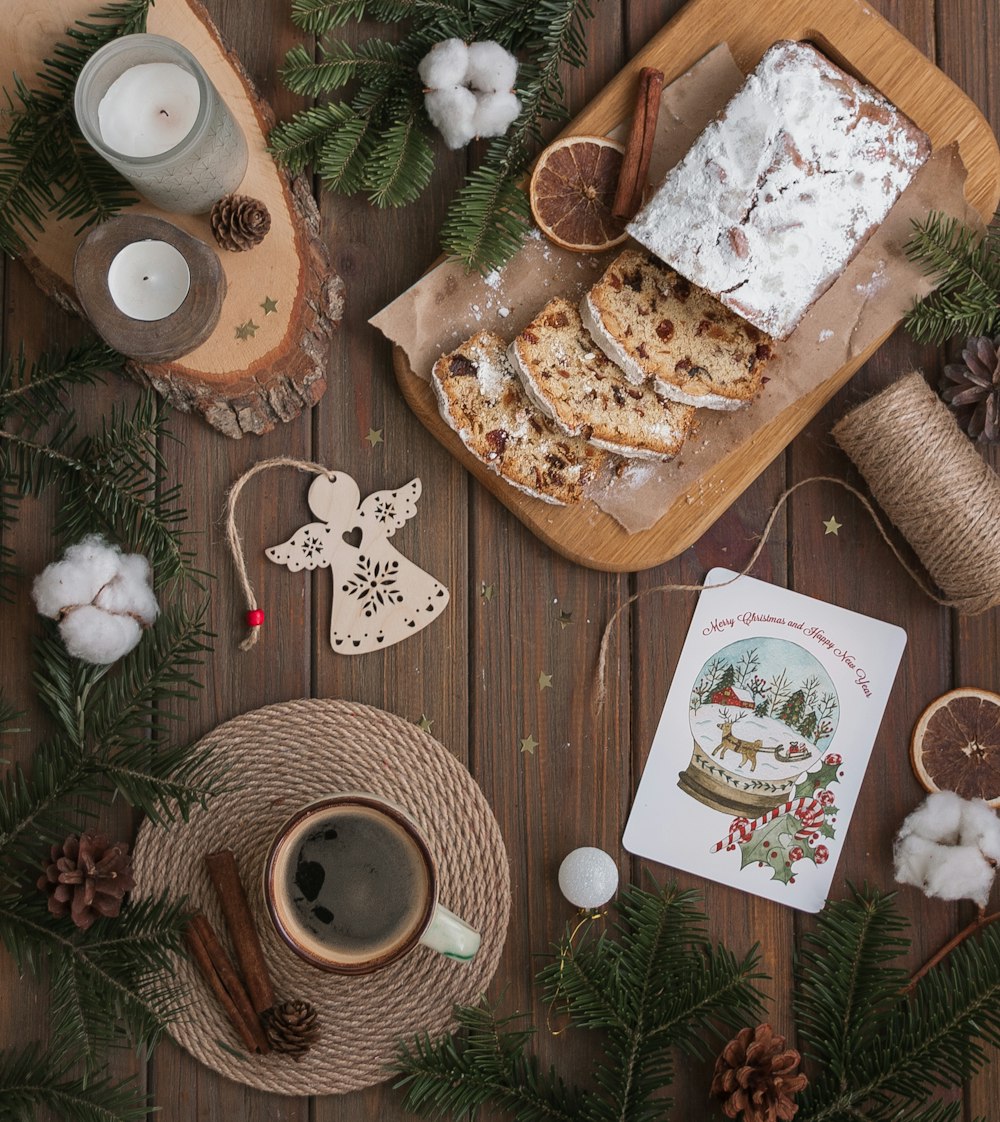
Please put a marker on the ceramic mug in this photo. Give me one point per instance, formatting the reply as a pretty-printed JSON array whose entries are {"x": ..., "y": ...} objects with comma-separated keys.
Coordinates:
[{"x": 351, "y": 886}]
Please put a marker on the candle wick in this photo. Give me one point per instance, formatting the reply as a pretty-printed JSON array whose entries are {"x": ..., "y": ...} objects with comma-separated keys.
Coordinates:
[
  {"x": 164, "y": 113},
  {"x": 145, "y": 278}
]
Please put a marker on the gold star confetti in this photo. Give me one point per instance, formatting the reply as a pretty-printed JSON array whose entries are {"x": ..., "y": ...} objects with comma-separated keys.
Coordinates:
[
  {"x": 243, "y": 331},
  {"x": 564, "y": 619},
  {"x": 269, "y": 305},
  {"x": 425, "y": 722},
  {"x": 832, "y": 526},
  {"x": 529, "y": 744},
  {"x": 487, "y": 591},
  {"x": 374, "y": 437},
  {"x": 544, "y": 681}
]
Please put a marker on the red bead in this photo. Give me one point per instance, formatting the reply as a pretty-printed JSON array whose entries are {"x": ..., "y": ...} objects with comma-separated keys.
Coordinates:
[{"x": 255, "y": 618}]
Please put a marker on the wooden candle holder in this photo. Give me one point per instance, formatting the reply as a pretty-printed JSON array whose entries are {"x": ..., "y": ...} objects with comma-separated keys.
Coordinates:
[
  {"x": 158, "y": 340},
  {"x": 266, "y": 359}
]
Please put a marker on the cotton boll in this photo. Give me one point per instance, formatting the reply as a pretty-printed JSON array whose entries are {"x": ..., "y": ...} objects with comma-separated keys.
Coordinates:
[
  {"x": 84, "y": 569},
  {"x": 444, "y": 65},
  {"x": 495, "y": 112},
  {"x": 130, "y": 591},
  {"x": 981, "y": 828},
  {"x": 939, "y": 817},
  {"x": 97, "y": 636},
  {"x": 948, "y": 847},
  {"x": 960, "y": 872},
  {"x": 452, "y": 113},
  {"x": 491, "y": 69}
]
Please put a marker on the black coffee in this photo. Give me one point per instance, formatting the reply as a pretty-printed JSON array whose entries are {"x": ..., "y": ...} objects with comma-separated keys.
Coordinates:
[{"x": 357, "y": 883}]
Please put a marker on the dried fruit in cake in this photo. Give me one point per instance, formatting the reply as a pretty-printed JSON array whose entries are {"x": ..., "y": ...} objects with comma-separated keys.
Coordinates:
[
  {"x": 483, "y": 401},
  {"x": 572, "y": 191},
  {"x": 956, "y": 745},
  {"x": 572, "y": 381},
  {"x": 778, "y": 194},
  {"x": 655, "y": 324}
]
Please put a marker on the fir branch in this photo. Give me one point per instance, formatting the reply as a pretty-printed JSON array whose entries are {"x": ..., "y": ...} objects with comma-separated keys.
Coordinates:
[
  {"x": 376, "y": 140},
  {"x": 656, "y": 984},
  {"x": 108, "y": 983},
  {"x": 107, "y": 482},
  {"x": 915, "y": 1045},
  {"x": 30, "y": 395},
  {"x": 46, "y": 166},
  {"x": 32, "y": 1080},
  {"x": 374, "y": 60},
  {"x": 487, "y": 1065},
  {"x": 966, "y": 268}
]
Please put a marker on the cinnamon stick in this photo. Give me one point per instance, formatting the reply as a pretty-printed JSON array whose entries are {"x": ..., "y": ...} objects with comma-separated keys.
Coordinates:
[
  {"x": 224, "y": 982},
  {"x": 639, "y": 149},
  {"x": 225, "y": 874}
]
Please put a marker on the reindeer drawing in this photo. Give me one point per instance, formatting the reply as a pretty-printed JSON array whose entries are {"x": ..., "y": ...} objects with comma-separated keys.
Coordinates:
[{"x": 749, "y": 750}]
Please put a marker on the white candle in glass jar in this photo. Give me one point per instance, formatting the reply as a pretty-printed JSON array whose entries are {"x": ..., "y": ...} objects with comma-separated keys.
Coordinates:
[
  {"x": 148, "y": 280},
  {"x": 149, "y": 109}
]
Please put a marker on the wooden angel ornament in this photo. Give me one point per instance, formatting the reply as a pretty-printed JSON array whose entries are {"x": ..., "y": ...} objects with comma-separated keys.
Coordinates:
[{"x": 379, "y": 596}]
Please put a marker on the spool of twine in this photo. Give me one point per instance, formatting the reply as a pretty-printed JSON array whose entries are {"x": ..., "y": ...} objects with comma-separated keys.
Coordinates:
[{"x": 938, "y": 492}]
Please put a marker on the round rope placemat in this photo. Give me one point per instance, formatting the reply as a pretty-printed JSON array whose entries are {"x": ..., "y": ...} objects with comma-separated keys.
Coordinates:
[{"x": 280, "y": 758}]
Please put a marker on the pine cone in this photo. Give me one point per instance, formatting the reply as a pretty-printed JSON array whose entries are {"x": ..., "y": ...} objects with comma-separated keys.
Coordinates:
[
  {"x": 239, "y": 222},
  {"x": 292, "y": 1028},
  {"x": 972, "y": 388},
  {"x": 87, "y": 877},
  {"x": 755, "y": 1075}
]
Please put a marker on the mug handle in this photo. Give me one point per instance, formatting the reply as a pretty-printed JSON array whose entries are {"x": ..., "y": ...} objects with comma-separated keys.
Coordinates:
[{"x": 451, "y": 936}]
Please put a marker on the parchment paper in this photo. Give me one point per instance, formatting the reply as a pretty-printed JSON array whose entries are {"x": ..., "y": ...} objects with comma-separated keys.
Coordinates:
[{"x": 447, "y": 305}]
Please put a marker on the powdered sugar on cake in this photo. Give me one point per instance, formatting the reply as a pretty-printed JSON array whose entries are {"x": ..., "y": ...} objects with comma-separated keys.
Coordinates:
[{"x": 778, "y": 194}]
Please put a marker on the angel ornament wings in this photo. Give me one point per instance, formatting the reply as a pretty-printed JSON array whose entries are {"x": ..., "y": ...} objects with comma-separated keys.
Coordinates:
[{"x": 379, "y": 596}]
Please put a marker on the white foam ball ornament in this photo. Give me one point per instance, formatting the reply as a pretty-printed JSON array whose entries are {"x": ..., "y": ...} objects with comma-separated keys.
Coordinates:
[{"x": 588, "y": 877}]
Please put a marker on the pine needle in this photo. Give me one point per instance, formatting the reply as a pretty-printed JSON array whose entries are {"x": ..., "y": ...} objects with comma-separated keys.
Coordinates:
[{"x": 966, "y": 268}]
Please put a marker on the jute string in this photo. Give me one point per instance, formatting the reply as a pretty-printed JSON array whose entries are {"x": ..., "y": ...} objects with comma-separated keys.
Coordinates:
[
  {"x": 929, "y": 480},
  {"x": 232, "y": 534}
]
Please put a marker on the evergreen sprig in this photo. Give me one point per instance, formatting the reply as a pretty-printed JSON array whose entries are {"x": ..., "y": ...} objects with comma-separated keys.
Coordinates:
[
  {"x": 109, "y": 985},
  {"x": 376, "y": 140},
  {"x": 32, "y": 1080},
  {"x": 107, "y": 480},
  {"x": 966, "y": 268},
  {"x": 46, "y": 167},
  {"x": 657, "y": 984},
  {"x": 881, "y": 1055}
]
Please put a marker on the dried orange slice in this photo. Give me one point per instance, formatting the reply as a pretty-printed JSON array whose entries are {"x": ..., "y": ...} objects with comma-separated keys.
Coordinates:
[
  {"x": 572, "y": 191},
  {"x": 956, "y": 745}
]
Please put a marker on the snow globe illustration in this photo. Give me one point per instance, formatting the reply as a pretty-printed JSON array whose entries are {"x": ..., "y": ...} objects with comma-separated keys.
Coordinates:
[{"x": 762, "y": 712}]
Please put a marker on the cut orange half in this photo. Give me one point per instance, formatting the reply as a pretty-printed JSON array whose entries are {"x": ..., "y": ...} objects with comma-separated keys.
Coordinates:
[
  {"x": 956, "y": 745},
  {"x": 572, "y": 191}
]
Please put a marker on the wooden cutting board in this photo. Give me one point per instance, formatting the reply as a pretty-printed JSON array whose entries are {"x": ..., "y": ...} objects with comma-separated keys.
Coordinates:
[
  {"x": 858, "y": 39},
  {"x": 238, "y": 384}
]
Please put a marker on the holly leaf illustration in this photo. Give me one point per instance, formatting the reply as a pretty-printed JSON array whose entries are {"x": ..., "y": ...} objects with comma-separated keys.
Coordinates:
[
  {"x": 812, "y": 781},
  {"x": 770, "y": 845},
  {"x": 827, "y": 830}
]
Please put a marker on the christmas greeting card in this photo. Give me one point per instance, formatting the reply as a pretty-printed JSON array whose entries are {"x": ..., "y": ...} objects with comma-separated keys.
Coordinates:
[{"x": 764, "y": 739}]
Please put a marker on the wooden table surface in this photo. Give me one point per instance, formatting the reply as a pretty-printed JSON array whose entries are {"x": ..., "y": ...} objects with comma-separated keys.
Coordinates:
[{"x": 474, "y": 672}]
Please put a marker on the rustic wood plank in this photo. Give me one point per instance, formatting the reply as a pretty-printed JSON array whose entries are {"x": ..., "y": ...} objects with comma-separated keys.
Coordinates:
[{"x": 278, "y": 668}]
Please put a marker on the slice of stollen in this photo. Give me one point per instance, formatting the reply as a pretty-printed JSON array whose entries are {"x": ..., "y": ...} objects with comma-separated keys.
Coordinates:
[
  {"x": 484, "y": 402},
  {"x": 655, "y": 324},
  {"x": 572, "y": 381}
]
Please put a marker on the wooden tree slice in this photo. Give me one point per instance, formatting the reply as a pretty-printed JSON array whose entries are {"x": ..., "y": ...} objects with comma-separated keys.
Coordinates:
[{"x": 275, "y": 365}]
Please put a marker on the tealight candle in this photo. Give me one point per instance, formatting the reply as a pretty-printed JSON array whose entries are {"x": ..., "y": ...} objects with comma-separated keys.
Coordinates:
[
  {"x": 149, "y": 109},
  {"x": 151, "y": 290},
  {"x": 148, "y": 280},
  {"x": 146, "y": 105}
]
